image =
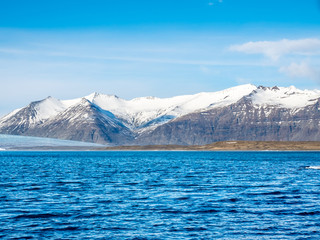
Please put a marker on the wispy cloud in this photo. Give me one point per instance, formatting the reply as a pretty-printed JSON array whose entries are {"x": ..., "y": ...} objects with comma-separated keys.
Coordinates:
[
  {"x": 14, "y": 51},
  {"x": 301, "y": 70},
  {"x": 277, "y": 49},
  {"x": 125, "y": 57}
]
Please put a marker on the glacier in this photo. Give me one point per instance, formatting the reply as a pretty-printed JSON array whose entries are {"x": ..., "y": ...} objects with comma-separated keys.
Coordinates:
[{"x": 11, "y": 142}]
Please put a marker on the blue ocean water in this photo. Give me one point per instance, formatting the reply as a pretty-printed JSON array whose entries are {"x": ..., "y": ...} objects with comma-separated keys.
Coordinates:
[{"x": 159, "y": 195}]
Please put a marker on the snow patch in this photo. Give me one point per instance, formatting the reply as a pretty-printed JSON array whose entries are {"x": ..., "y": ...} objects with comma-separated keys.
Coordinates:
[
  {"x": 287, "y": 97},
  {"x": 47, "y": 108}
]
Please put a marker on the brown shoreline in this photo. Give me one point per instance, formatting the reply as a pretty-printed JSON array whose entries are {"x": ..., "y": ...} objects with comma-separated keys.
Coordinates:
[{"x": 228, "y": 146}]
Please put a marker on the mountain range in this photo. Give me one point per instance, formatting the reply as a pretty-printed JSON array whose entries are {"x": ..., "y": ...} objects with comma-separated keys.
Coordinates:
[{"x": 244, "y": 112}]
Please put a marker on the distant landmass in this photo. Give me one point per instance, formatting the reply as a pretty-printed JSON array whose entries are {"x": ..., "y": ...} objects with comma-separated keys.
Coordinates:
[
  {"x": 11, "y": 142},
  {"x": 229, "y": 146},
  {"x": 242, "y": 113}
]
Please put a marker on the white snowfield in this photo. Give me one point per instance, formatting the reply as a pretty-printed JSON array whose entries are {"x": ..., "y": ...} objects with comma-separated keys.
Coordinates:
[
  {"x": 146, "y": 112},
  {"x": 287, "y": 97},
  {"x": 139, "y": 111}
]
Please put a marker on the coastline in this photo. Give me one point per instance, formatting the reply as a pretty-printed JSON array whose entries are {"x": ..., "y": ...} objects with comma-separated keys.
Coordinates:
[
  {"x": 240, "y": 146},
  {"x": 228, "y": 146}
]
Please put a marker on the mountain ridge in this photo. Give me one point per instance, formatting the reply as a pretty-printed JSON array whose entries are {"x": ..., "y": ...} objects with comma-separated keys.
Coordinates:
[{"x": 245, "y": 112}]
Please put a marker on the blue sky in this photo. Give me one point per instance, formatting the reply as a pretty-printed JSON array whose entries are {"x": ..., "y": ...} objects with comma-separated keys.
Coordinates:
[{"x": 69, "y": 49}]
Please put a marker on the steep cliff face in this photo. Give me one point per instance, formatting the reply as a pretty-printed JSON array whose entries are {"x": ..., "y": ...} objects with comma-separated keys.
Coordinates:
[{"x": 241, "y": 113}]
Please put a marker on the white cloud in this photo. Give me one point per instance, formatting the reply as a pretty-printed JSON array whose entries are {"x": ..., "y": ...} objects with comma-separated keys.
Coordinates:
[
  {"x": 276, "y": 49},
  {"x": 301, "y": 70}
]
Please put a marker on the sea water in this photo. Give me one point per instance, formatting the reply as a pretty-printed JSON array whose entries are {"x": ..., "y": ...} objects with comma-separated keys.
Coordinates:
[{"x": 159, "y": 195}]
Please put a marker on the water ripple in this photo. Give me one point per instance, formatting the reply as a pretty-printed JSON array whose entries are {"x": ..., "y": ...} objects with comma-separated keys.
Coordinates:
[{"x": 159, "y": 195}]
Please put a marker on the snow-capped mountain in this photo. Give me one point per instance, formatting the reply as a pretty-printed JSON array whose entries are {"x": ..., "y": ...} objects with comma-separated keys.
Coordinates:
[
  {"x": 244, "y": 112},
  {"x": 141, "y": 112}
]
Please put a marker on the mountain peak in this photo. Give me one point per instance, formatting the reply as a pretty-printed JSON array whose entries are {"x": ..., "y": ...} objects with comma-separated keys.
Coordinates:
[
  {"x": 85, "y": 102},
  {"x": 274, "y": 88},
  {"x": 95, "y": 95},
  {"x": 92, "y": 96}
]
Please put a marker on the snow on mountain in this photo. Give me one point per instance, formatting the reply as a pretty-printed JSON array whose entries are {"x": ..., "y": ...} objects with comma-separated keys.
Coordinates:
[
  {"x": 9, "y": 115},
  {"x": 84, "y": 121},
  {"x": 139, "y": 111},
  {"x": 287, "y": 97},
  {"x": 200, "y": 118},
  {"x": 47, "y": 108},
  {"x": 266, "y": 114},
  {"x": 40, "y": 111},
  {"x": 144, "y": 113}
]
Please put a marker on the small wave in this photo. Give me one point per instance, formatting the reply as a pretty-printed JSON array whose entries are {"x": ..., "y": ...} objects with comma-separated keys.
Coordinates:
[
  {"x": 195, "y": 229},
  {"x": 264, "y": 193},
  {"x": 272, "y": 193},
  {"x": 230, "y": 200},
  {"x": 183, "y": 198},
  {"x": 32, "y": 189},
  {"x": 309, "y": 213},
  {"x": 313, "y": 167},
  {"x": 68, "y": 182},
  {"x": 207, "y": 211},
  {"x": 43, "y": 215},
  {"x": 232, "y": 211},
  {"x": 70, "y": 228}
]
